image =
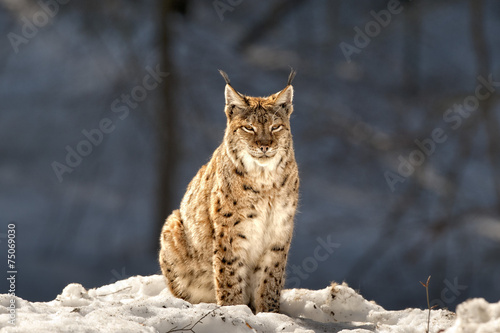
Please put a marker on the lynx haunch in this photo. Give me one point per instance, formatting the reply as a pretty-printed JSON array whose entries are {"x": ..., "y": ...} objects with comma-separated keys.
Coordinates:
[{"x": 228, "y": 243}]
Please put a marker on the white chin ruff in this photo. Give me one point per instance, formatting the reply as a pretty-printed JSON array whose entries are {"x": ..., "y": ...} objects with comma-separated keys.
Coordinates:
[
  {"x": 264, "y": 162},
  {"x": 257, "y": 164}
]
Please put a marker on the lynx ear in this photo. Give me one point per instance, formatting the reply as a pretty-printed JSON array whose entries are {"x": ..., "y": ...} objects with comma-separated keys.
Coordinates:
[
  {"x": 233, "y": 98},
  {"x": 285, "y": 99}
]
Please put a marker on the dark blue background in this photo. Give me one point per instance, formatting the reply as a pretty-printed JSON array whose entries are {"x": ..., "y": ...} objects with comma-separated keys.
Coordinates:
[{"x": 354, "y": 123}]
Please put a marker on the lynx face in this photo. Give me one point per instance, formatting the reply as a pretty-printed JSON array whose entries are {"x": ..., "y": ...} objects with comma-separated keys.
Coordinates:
[{"x": 258, "y": 128}]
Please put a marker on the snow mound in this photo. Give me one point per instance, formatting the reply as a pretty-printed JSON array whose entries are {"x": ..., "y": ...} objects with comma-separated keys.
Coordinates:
[
  {"x": 144, "y": 304},
  {"x": 477, "y": 316}
]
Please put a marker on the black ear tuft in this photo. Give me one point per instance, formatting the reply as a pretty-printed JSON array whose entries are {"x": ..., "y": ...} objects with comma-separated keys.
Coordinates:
[
  {"x": 224, "y": 75},
  {"x": 232, "y": 96},
  {"x": 291, "y": 76}
]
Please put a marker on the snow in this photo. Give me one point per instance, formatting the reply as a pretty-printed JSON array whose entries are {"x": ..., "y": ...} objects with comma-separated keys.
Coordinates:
[
  {"x": 144, "y": 304},
  {"x": 477, "y": 316}
]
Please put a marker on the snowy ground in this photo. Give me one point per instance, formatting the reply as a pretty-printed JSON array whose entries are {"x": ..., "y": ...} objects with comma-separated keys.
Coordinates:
[{"x": 143, "y": 304}]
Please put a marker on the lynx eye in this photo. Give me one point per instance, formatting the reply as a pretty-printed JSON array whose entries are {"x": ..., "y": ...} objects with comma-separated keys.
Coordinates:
[
  {"x": 248, "y": 129},
  {"x": 276, "y": 128}
]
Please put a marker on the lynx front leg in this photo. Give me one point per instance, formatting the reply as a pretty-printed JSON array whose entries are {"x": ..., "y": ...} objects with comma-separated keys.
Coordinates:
[
  {"x": 229, "y": 270},
  {"x": 271, "y": 279}
]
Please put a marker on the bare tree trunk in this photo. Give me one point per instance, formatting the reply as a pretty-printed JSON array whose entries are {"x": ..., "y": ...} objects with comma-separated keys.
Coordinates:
[
  {"x": 486, "y": 107},
  {"x": 411, "y": 55},
  {"x": 166, "y": 116}
]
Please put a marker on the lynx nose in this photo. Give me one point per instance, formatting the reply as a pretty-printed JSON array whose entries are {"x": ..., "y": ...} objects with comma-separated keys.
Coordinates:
[{"x": 264, "y": 145}]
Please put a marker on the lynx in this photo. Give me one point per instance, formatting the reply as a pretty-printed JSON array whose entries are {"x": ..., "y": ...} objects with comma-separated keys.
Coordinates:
[{"x": 228, "y": 243}]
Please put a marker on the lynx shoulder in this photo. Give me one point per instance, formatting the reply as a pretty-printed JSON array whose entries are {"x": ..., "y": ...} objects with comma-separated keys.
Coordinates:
[{"x": 228, "y": 243}]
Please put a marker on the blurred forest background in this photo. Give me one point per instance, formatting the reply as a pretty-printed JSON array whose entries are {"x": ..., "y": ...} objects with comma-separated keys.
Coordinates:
[{"x": 108, "y": 109}]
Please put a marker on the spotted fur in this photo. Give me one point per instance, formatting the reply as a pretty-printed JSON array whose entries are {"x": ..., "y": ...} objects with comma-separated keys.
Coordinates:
[{"x": 228, "y": 243}]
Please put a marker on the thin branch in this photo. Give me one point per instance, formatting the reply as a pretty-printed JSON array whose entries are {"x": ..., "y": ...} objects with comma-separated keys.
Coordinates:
[
  {"x": 426, "y": 286},
  {"x": 114, "y": 292},
  {"x": 187, "y": 328}
]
